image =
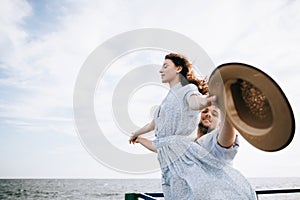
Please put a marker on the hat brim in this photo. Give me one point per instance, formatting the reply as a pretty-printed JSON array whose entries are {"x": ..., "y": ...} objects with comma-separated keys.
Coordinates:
[{"x": 273, "y": 134}]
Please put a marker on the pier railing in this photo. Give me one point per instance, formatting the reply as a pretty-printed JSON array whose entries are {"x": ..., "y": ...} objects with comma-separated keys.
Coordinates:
[{"x": 158, "y": 196}]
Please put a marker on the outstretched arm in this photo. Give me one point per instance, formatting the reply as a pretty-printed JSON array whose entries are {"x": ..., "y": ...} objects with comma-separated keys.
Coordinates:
[
  {"x": 145, "y": 129},
  {"x": 198, "y": 102},
  {"x": 227, "y": 135},
  {"x": 146, "y": 143}
]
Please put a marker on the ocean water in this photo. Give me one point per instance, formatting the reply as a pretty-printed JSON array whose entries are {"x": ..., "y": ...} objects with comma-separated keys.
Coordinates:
[{"x": 115, "y": 189}]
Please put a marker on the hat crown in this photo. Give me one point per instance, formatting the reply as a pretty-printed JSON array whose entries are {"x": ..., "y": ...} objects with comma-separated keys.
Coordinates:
[{"x": 251, "y": 104}]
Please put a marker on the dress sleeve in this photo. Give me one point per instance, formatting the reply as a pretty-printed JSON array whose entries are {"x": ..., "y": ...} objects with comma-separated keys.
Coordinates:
[{"x": 190, "y": 90}]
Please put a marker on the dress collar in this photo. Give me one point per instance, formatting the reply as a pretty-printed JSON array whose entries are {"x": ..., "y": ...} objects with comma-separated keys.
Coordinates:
[{"x": 176, "y": 86}]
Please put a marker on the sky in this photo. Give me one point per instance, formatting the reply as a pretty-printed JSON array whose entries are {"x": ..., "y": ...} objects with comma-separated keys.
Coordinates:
[{"x": 44, "y": 44}]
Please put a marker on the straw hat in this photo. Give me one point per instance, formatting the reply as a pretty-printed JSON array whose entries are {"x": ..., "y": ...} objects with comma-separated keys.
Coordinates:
[{"x": 254, "y": 104}]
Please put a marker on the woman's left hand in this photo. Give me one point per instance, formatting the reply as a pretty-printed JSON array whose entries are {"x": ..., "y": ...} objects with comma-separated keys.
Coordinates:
[{"x": 133, "y": 139}]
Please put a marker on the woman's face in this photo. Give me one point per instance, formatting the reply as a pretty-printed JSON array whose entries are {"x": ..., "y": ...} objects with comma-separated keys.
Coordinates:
[
  {"x": 169, "y": 71},
  {"x": 210, "y": 117}
]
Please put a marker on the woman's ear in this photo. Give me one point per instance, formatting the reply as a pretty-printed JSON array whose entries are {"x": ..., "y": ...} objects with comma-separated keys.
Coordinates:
[{"x": 179, "y": 68}]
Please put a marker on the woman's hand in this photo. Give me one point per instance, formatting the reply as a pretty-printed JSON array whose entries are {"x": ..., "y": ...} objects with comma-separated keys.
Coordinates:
[
  {"x": 145, "y": 129},
  {"x": 133, "y": 139}
]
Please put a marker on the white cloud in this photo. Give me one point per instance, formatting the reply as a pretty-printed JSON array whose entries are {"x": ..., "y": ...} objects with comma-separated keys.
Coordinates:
[
  {"x": 42, "y": 70},
  {"x": 12, "y": 14}
]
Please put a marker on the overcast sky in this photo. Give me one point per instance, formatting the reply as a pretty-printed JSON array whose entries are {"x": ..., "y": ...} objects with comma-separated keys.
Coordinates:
[{"x": 43, "y": 45}]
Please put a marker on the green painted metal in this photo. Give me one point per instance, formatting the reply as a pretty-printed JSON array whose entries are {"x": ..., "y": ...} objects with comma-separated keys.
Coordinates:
[{"x": 131, "y": 196}]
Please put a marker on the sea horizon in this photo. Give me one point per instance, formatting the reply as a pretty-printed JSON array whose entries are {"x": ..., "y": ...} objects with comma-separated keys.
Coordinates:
[{"x": 116, "y": 188}]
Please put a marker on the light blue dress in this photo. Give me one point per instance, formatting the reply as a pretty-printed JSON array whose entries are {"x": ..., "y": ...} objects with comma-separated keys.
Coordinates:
[{"x": 193, "y": 170}]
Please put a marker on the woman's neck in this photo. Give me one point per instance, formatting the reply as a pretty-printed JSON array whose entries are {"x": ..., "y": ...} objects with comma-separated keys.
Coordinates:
[{"x": 174, "y": 82}]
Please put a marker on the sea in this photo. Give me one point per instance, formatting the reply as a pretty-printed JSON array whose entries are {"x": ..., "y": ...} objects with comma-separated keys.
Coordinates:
[{"x": 115, "y": 189}]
